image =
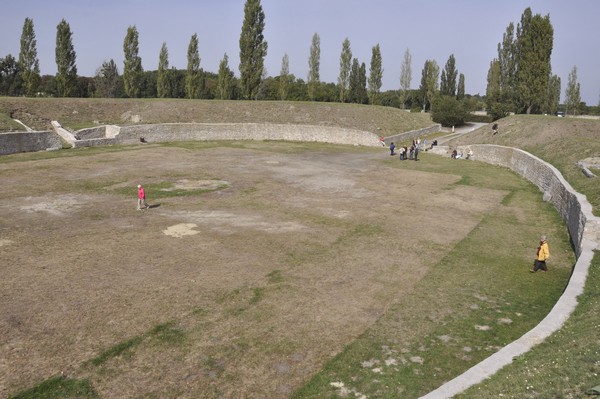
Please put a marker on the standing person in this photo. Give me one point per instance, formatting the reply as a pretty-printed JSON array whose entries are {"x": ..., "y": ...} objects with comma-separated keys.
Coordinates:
[
  {"x": 543, "y": 253},
  {"x": 141, "y": 198},
  {"x": 392, "y": 148},
  {"x": 417, "y": 147}
]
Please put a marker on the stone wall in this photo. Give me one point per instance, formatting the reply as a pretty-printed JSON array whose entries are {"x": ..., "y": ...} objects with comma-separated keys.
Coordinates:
[
  {"x": 14, "y": 142},
  {"x": 226, "y": 131},
  {"x": 572, "y": 206}
]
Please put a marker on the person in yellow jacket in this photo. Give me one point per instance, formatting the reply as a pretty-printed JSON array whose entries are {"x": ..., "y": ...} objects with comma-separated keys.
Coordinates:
[{"x": 543, "y": 253}]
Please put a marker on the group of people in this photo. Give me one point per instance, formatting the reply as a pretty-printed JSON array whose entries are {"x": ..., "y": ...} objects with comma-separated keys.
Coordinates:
[
  {"x": 411, "y": 153},
  {"x": 458, "y": 155}
]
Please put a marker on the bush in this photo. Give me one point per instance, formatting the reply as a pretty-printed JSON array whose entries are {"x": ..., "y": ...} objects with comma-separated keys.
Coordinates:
[
  {"x": 448, "y": 111},
  {"x": 498, "y": 111}
]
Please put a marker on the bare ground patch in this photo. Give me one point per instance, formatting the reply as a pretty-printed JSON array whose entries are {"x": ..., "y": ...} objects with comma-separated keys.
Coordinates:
[{"x": 288, "y": 264}]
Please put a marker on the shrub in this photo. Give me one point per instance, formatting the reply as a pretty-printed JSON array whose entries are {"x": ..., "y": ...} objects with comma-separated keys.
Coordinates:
[
  {"x": 498, "y": 111},
  {"x": 448, "y": 111}
]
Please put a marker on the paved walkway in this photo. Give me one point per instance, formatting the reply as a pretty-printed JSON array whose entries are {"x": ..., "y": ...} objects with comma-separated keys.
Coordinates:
[{"x": 459, "y": 131}]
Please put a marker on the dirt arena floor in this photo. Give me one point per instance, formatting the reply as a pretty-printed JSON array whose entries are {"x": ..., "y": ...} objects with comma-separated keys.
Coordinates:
[{"x": 242, "y": 291}]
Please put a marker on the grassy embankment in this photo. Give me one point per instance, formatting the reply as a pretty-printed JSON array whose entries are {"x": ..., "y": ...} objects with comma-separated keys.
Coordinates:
[{"x": 74, "y": 113}]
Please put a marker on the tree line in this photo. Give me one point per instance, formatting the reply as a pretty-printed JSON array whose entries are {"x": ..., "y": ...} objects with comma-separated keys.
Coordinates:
[
  {"x": 22, "y": 76},
  {"x": 519, "y": 80}
]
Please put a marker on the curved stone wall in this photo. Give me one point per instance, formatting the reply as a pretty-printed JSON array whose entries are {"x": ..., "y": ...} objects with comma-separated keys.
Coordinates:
[
  {"x": 573, "y": 207},
  {"x": 584, "y": 229},
  {"x": 225, "y": 131}
]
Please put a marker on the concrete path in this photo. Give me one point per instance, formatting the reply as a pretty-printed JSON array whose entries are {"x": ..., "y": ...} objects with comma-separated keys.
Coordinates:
[{"x": 459, "y": 131}]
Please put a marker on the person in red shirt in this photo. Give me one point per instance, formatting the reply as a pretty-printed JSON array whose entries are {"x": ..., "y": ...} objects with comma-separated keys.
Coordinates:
[{"x": 141, "y": 198}]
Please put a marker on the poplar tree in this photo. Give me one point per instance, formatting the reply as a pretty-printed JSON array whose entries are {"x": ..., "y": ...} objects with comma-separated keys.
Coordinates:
[
  {"x": 492, "y": 91},
  {"x": 345, "y": 65},
  {"x": 253, "y": 49},
  {"x": 448, "y": 79},
  {"x": 375, "y": 75},
  {"x": 193, "y": 75},
  {"x": 29, "y": 65},
  {"x": 66, "y": 77},
  {"x": 429, "y": 83},
  {"x": 362, "y": 95},
  {"x": 132, "y": 70},
  {"x": 357, "y": 92},
  {"x": 507, "y": 58},
  {"x": 314, "y": 62},
  {"x": 225, "y": 80},
  {"x": 553, "y": 95},
  {"x": 535, "y": 36},
  {"x": 405, "y": 77},
  {"x": 460, "y": 92},
  {"x": 163, "y": 81},
  {"x": 572, "y": 94},
  {"x": 284, "y": 78}
]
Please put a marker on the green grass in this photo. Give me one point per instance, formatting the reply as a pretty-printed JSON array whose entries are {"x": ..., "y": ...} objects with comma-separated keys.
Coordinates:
[
  {"x": 442, "y": 330},
  {"x": 168, "y": 333},
  {"x": 120, "y": 349},
  {"x": 564, "y": 366},
  {"x": 77, "y": 152},
  {"x": 60, "y": 387},
  {"x": 7, "y": 124},
  {"x": 166, "y": 190},
  {"x": 276, "y": 277}
]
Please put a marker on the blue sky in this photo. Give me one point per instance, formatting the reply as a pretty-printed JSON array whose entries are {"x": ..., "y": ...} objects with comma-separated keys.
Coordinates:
[{"x": 433, "y": 29}]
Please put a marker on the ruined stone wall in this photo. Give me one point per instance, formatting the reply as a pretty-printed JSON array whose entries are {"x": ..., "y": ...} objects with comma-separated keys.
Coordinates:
[
  {"x": 233, "y": 131},
  {"x": 14, "y": 142}
]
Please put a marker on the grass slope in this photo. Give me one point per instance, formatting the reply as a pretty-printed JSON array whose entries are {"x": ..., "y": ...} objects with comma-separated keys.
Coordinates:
[{"x": 566, "y": 365}]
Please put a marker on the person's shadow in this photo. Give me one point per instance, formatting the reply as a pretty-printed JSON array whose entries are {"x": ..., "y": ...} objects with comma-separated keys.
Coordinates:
[{"x": 153, "y": 206}]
